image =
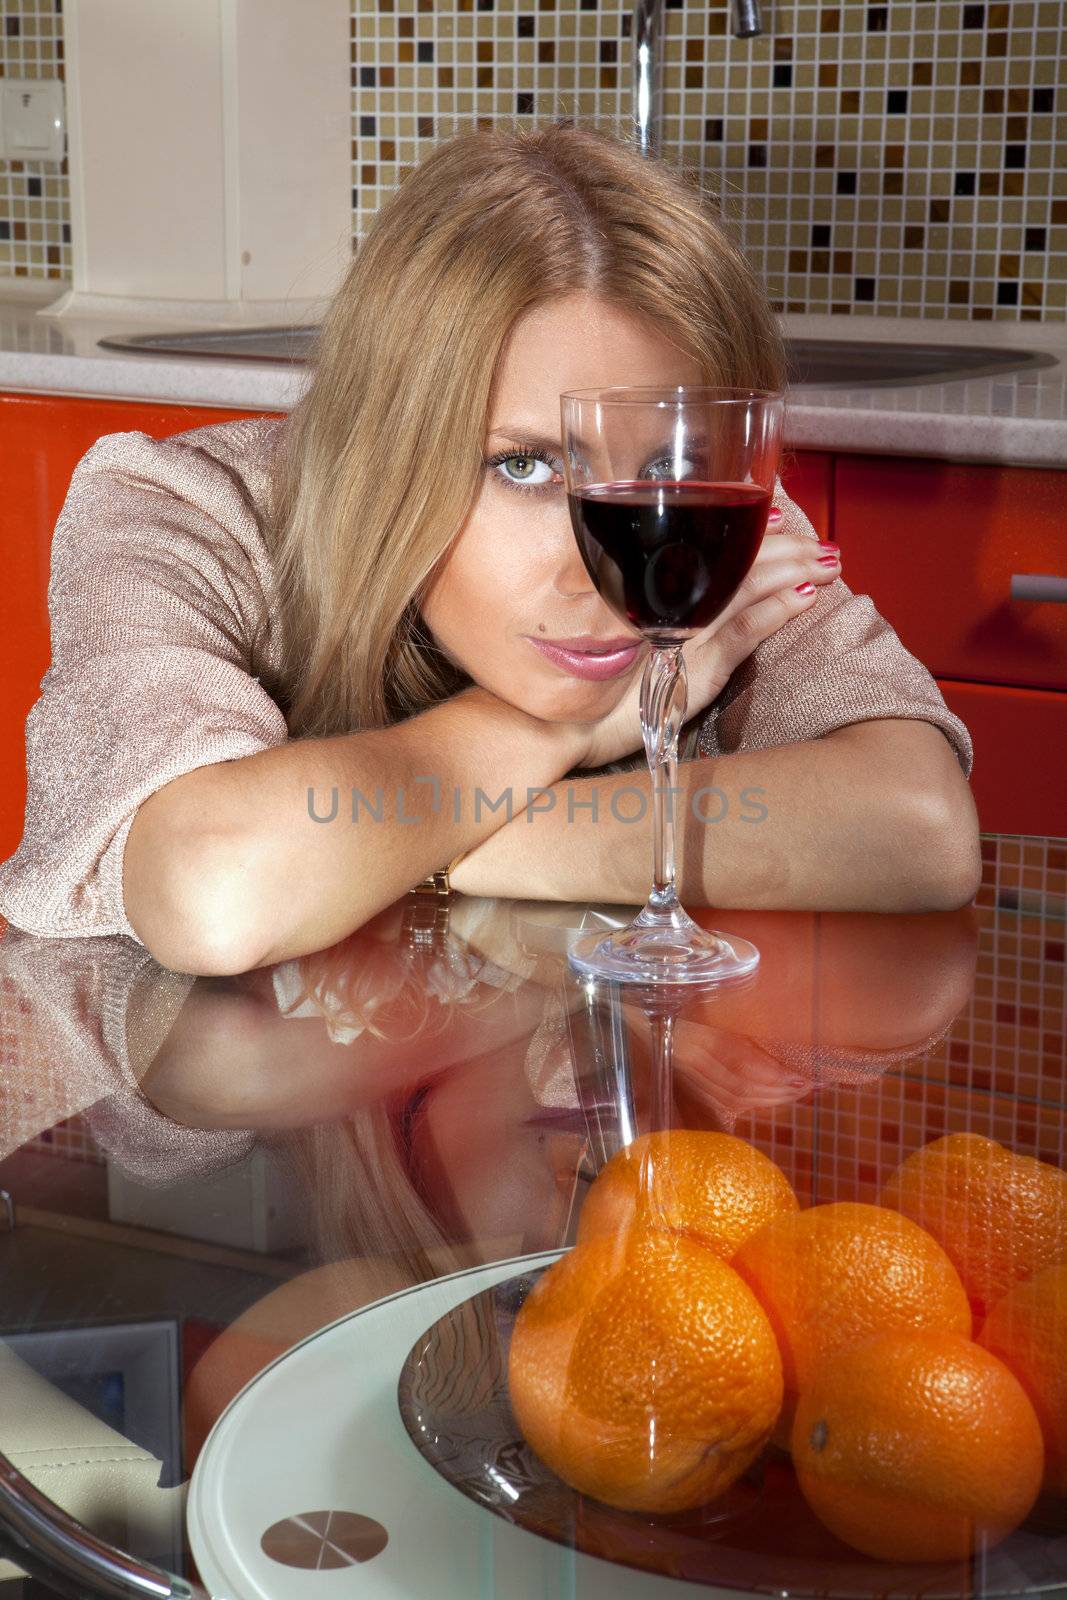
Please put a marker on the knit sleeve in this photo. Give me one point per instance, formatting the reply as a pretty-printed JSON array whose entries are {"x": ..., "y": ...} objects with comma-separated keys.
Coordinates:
[
  {"x": 157, "y": 567},
  {"x": 836, "y": 663}
]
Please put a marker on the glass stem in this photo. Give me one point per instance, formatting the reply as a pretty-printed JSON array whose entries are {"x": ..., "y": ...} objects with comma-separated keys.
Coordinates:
[
  {"x": 664, "y": 692},
  {"x": 661, "y": 1099}
]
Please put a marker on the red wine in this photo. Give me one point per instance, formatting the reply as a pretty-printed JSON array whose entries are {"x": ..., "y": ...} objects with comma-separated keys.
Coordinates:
[{"x": 669, "y": 555}]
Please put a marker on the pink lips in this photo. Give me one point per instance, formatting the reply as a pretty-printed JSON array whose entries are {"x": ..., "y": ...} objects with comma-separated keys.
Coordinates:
[{"x": 586, "y": 664}]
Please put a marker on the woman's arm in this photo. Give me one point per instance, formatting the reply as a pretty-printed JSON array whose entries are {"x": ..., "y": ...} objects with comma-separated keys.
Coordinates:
[
  {"x": 226, "y": 867},
  {"x": 241, "y": 863},
  {"x": 874, "y": 816},
  {"x": 232, "y": 1060}
]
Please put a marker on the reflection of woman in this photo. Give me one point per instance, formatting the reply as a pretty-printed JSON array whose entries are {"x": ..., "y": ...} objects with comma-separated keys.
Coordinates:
[
  {"x": 414, "y": 1162},
  {"x": 345, "y": 1058},
  {"x": 81, "y": 1021},
  {"x": 350, "y": 600},
  {"x": 448, "y": 1127},
  {"x": 427, "y": 1131}
]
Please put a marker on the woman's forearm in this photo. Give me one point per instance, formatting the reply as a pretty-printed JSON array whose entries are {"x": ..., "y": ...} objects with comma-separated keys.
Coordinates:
[
  {"x": 246, "y": 862},
  {"x": 875, "y": 816}
]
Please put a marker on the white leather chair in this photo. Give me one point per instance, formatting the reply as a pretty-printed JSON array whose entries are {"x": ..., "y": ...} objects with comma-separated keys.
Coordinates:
[{"x": 85, "y": 1467}]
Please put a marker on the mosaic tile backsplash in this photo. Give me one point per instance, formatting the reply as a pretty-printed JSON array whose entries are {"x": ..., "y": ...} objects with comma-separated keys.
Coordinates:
[
  {"x": 896, "y": 158},
  {"x": 1000, "y": 1071},
  {"x": 34, "y": 195}
]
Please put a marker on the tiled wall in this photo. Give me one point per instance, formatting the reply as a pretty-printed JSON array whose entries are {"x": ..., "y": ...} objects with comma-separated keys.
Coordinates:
[
  {"x": 1000, "y": 1070},
  {"x": 34, "y": 195},
  {"x": 895, "y": 158},
  {"x": 71, "y": 1141}
]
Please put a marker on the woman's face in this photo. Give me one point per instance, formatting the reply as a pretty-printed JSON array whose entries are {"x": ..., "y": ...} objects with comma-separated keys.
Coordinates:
[{"x": 514, "y": 572}]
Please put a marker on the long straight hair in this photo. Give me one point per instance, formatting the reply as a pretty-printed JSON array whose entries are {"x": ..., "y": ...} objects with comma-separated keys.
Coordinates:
[{"x": 381, "y": 460}]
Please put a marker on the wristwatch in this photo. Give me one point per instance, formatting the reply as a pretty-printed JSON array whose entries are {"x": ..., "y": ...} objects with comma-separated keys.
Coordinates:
[
  {"x": 426, "y": 915},
  {"x": 435, "y": 886}
]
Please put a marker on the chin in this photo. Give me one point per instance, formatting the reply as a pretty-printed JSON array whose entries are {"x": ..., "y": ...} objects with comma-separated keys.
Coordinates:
[
  {"x": 563, "y": 699},
  {"x": 579, "y": 702}
]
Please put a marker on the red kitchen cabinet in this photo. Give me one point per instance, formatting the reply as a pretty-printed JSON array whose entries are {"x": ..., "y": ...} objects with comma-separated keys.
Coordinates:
[
  {"x": 42, "y": 439},
  {"x": 1020, "y": 736},
  {"x": 936, "y": 546},
  {"x": 808, "y": 478},
  {"x": 944, "y": 550}
]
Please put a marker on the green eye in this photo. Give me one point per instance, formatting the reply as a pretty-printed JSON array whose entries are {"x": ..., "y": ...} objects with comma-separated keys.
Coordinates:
[{"x": 521, "y": 469}]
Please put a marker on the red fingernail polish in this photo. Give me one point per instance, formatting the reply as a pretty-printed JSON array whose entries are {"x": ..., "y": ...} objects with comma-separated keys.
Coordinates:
[
  {"x": 805, "y": 588},
  {"x": 828, "y": 561},
  {"x": 774, "y": 515},
  {"x": 828, "y": 544}
]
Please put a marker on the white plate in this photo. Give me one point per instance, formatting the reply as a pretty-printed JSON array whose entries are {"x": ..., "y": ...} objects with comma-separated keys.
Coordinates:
[{"x": 319, "y": 1430}]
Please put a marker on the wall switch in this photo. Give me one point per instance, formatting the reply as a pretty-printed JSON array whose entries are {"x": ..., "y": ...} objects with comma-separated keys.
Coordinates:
[{"x": 32, "y": 119}]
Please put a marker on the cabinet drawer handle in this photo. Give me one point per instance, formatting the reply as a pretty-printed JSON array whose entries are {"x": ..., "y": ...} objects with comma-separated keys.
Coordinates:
[{"x": 1038, "y": 586}]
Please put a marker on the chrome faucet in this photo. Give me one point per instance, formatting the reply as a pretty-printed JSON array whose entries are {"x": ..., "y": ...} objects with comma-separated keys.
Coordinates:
[
  {"x": 747, "y": 19},
  {"x": 644, "y": 41},
  {"x": 646, "y": 77}
]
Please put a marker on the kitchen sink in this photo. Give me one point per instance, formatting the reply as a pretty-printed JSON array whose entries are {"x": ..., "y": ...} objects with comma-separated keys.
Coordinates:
[
  {"x": 813, "y": 363},
  {"x": 860, "y": 364},
  {"x": 229, "y": 344}
]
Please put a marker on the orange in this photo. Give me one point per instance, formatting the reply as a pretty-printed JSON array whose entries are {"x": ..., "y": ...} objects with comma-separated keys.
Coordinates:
[
  {"x": 1000, "y": 1216},
  {"x": 643, "y": 1372},
  {"x": 917, "y": 1446},
  {"x": 713, "y": 1187},
  {"x": 837, "y": 1273},
  {"x": 1027, "y": 1330}
]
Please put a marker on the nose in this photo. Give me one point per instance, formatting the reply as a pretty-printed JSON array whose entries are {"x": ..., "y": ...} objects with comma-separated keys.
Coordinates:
[{"x": 572, "y": 579}]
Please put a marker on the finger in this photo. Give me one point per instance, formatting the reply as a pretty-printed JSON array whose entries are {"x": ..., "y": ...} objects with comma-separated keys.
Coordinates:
[
  {"x": 757, "y": 622},
  {"x": 783, "y": 571},
  {"x": 773, "y": 577},
  {"x": 774, "y": 546},
  {"x": 783, "y": 563},
  {"x": 797, "y": 561}
]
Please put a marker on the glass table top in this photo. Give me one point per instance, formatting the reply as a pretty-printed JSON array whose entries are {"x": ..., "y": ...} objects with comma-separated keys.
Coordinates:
[{"x": 256, "y": 1233}]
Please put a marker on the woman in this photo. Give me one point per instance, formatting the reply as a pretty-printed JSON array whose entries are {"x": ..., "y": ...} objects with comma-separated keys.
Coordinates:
[{"x": 277, "y": 644}]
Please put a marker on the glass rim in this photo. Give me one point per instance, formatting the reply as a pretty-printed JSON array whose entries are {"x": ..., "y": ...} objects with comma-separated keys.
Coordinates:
[{"x": 677, "y": 394}]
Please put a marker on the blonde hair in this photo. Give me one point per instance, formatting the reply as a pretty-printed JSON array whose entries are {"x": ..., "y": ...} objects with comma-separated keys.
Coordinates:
[
  {"x": 364, "y": 1193},
  {"x": 396, "y": 992},
  {"x": 364, "y": 1199},
  {"x": 381, "y": 460}
]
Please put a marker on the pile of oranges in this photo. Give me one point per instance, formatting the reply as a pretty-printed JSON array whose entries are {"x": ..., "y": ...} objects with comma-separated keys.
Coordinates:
[{"x": 911, "y": 1355}]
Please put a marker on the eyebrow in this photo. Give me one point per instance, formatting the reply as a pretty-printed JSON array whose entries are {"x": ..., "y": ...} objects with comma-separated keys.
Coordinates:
[
  {"x": 528, "y": 436},
  {"x": 544, "y": 441}
]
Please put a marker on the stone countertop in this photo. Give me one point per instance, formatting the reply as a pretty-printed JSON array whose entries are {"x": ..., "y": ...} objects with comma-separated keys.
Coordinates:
[
  {"x": 1017, "y": 418},
  {"x": 61, "y": 355}
]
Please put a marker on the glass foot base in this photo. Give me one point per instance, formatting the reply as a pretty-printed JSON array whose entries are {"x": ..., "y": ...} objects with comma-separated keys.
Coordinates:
[{"x": 663, "y": 946}]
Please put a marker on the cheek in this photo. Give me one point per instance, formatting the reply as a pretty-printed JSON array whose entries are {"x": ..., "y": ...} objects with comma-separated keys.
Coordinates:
[
  {"x": 501, "y": 1181},
  {"x": 527, "y": 1194},
  {"x": 484, "y": 594},
  {"x": 499, "y": 583}
]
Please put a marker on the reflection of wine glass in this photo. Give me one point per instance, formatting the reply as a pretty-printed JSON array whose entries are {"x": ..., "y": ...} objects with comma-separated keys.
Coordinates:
[{"x": 669, "y": 491}]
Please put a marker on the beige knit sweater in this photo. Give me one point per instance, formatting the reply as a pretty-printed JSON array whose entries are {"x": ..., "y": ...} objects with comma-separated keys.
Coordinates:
[{"x": 158, "y": 564}]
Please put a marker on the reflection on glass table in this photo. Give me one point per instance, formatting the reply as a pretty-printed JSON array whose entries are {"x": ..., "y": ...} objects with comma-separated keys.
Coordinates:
[{"x": 208, "y": 1174}]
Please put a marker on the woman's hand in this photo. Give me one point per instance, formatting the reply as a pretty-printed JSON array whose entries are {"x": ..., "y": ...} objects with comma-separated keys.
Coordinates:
[
  {"x": 718, "y": 1071},
  {"x": 767, "y": 599}
]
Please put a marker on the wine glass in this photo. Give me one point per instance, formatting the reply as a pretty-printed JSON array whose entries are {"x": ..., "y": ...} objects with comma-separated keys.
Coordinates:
[{"x": 669, "y": 491}]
